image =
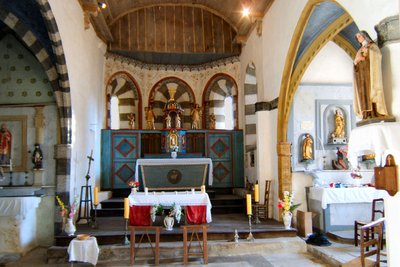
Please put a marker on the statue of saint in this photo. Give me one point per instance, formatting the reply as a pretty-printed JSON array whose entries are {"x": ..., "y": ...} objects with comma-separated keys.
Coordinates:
[
  {"x": 196, "y": 117},
  {"x": 369, "y": 101},
  {"x": 212, "y": 121},
  {"x": 132, "y": 119},
  {"x": 339, "y": 125},
  {"x": 168, "y": 122},
  {"x": 37, "y": 157},
  {"x": 5, "y": 145},
  {"x": 149, "y": 118},
  {"x": 307, "y": 148},
  {"x": 178, "y": 122}
]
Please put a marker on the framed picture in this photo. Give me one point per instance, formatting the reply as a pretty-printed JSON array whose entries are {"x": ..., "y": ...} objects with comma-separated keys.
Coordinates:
[{"x": 13, "y": 143}]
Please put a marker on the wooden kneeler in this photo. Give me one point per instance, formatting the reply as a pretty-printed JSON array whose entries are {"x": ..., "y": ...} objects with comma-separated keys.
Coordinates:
[
  {"x": 146, "y": 230},
  {"x": 194, "y": 230}
]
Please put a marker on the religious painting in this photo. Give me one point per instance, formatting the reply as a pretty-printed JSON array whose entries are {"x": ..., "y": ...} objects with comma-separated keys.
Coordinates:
[{"x": 13, "y": 143}]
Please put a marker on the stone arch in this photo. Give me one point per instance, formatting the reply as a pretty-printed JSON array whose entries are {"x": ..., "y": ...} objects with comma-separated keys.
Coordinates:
[
  {"x": 159, "y": 96},
  {"x": 250, "y": 99},
  {"x": 124, "y": 86},
  {"x": 219, "y": 87},
  {"x": 293, "y": 71}
]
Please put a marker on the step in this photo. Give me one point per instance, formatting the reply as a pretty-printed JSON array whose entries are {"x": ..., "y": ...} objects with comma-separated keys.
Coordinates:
[{"x": 174, "y": 250}]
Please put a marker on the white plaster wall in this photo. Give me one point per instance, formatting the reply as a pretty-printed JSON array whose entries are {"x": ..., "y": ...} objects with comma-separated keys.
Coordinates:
[
  {"x": 330, "y": 66},
  {"x": 84, "y": 54},
  {"x": 391, "y": 79}
]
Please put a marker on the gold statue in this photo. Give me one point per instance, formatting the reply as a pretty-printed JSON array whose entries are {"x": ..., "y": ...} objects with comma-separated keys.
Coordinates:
[
  {"x": 307, "y": 148},
  {"x": 132, "y": 119},
  {"x": 149, "y": 118},
  {"x": 212, "y": 121},
  {"x": 339, "y": 125}
]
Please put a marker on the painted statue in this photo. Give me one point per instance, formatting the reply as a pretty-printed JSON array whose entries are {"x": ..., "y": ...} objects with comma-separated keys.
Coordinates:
[
  {"x": 307, "y": 152},
  {"x": 196, "y": 117},
  {"x": 212, "y": 121},
  {"x": 149, "y": 118},
  {"x": 369, "y": 101},
  {"x": 132, "y": 119},
  {"x": 5, "y": 145},
  {"x": 339, "y": 125}
]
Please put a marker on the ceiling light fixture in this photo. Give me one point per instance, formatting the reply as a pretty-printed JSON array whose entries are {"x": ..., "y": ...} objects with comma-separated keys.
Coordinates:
[
  {"x": 246, "y": 12},
  {"x": 102, "y": 5}
]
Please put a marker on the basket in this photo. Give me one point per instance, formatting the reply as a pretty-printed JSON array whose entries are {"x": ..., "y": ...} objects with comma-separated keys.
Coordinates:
[{"x": 83, "y": 236}]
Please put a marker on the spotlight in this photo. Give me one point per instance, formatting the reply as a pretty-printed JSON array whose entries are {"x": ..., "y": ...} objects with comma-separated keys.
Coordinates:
[
  {"x": 246, "y": 12},
  {"x": 102, "y": 5}
]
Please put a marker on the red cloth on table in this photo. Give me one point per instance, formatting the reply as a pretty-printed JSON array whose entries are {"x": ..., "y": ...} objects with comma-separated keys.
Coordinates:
[
  {"x": 139, "y": 215},
  {"x": 196, "y": 214}
]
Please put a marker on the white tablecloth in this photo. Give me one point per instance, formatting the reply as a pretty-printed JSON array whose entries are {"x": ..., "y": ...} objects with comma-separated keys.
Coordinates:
[
  {"x": 380, "y": 138},
  {"x": 84, "y": 250},
  {"x": 345, "y": 195},
  {"x": 180, "y": 161},
  {"x": 14, "y": 206},
  {"x": 170, "y": 198}
]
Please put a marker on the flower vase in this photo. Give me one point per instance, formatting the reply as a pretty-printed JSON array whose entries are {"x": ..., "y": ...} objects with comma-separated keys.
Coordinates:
[
  {"x": 287, "y": 219},
  {"x": 169, "y": 223},
  {"x": 70, "y": 227},
  {"x": 133, "y": 190}
]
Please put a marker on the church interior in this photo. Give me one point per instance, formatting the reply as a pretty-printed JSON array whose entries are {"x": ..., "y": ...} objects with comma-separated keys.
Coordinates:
[{"x": 246, "y": 120}]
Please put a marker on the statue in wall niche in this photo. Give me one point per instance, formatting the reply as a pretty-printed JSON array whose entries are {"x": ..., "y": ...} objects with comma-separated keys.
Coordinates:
[
  {"x": 168, "y": 121},
  {"x": 369, "y": 100},
  {"x": 307, "y": 151},
  {"x": 132, "y": 119},
  {"x": 339, "y": 125},
  {"x": 178, "y": 123},
  {"x": 149, "y": 118},
  {"x": 196, "y": 117},
  {"x": 5, "y": 145},
  {"x": 37, "y": 157},
  {"x": 212, "y": 121}
]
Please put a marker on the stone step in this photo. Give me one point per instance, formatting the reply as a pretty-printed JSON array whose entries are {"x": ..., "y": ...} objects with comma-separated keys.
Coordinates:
[{"x": 173, "y": 250}]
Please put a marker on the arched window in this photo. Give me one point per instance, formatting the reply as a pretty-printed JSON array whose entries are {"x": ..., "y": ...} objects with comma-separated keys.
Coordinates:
[{"x": 114, "y": 112}]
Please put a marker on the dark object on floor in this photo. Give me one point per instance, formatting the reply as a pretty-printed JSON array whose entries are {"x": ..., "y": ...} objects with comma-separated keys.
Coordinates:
[{"x": 318, "y": 240}]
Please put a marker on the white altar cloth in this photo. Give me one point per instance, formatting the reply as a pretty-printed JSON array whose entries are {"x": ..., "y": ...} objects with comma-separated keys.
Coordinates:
[
  {"x": 379, "y": 138},
  {"x": 18, "y": 206},
  {"x": 180, "y": 161},
  {"x": 345, "y": 195},
  {"x": 84, "y": 250},
  {"x": 170, "y": 198}
]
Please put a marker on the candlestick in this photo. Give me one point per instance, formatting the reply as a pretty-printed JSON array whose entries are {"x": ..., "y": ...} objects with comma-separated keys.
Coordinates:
[
  {"x": 126, "y": 240},
  {"x": 94, "y": 220},
  {"x": 126, "y": 208},
  {"x": 96, "y": 196},
  {"x": 256, "y": 194},
  {"x": 248, "y": 204},
  {"x": 250, "y": 236}
]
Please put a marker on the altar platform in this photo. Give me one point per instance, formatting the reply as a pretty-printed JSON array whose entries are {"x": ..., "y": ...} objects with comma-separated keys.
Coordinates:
[{"x": 111, "y": 230}]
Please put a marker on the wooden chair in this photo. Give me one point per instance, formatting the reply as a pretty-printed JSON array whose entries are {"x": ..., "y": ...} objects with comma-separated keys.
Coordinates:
[
  {"x": 377, "y": 212},
  {"x": 143, "y": 226},
  {"x": 367, "y": 243},
  {"x": 194, "y": 230},
  {"x": 263, "y": 209}
]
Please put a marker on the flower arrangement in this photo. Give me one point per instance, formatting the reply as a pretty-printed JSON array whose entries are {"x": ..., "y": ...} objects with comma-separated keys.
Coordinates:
[
  {"x": 176, "y": 211},
  {"x": 156, "y": 210},
  {"x": 67, "y": 211},
  {"x": 133, "y": 184},
  {"x": 287, "y": 203}
]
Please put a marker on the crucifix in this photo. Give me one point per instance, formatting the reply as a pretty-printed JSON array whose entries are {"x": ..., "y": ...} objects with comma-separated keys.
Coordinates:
[{"x": 86, "y": 195}]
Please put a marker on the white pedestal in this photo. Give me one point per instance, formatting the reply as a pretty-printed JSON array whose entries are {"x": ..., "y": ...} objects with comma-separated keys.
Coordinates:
[{"x": 38, "y": 177}]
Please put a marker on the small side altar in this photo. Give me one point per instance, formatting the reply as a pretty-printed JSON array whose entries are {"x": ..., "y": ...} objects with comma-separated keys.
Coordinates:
[
  {"x": 338, "y": 208},
  {"x": 171, "y": 174}
]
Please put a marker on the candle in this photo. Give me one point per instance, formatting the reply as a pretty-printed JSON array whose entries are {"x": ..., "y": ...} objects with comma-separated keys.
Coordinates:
[
  {"x": 248, "y": 204},
  {"x": 203, "y": 188},
  {"x": 256, "y": 197},
  {"x": 146, "y": 190},
  {"x": 126, "y": 208},
  {"x": 96, "y": 195}
]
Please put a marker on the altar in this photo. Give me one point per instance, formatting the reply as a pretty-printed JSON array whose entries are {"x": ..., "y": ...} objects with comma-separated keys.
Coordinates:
[
  {"x": 171, "y": 174},
  {"x": 337, "y": 208},
  {"x": 168, "y": 199}
]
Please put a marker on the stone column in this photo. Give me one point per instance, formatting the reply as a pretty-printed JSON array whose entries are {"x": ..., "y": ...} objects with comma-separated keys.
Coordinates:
[
  {"x": 389, "y": 40},
  {"x": 284, "y": 167},
  {"x": 388, "y": 31},
  {"x": 62, "y": 155}
]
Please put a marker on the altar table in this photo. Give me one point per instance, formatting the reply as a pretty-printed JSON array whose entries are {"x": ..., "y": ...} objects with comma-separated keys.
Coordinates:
[
  {"x": 170, "y": 198},
  {"x": 338, "y": 208},
  {"x": 176, "y": 162}
]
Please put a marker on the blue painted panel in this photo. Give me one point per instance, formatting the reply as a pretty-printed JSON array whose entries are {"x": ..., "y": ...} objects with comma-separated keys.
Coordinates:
[
  {"x": 123, "y": 173},
  {"x": 222, "y": 174},
  {"x": 125, "y": 146},
  {"x": 105, "y": 163},
  {"x": 219, "y": 146}
]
